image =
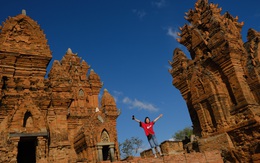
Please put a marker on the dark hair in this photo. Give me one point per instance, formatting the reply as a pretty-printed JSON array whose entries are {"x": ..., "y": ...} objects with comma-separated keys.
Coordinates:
[{"x": 146, "y": 118}]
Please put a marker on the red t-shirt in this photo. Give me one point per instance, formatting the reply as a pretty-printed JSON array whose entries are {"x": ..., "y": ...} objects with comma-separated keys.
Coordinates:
[{"x": 148, "y": 127}]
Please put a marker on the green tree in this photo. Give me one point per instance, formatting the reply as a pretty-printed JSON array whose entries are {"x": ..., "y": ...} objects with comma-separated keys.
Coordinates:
[
  {"x": 180, "y": 135},
  {"x": 130, "y": 146}
]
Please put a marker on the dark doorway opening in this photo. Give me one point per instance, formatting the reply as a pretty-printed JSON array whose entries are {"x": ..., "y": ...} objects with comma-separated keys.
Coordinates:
[
  {"x": 27, "y": 150},
  {"x": 105, "y": 151}
]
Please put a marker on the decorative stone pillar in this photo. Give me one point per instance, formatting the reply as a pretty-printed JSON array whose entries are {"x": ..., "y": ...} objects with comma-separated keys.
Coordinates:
[
  {"x": 112, "y": 152},
  {"x": 100, "y": 153}
]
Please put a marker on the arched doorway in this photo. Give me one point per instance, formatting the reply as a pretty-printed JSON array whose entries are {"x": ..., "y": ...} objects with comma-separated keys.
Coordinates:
[
  {"x": 27, "y": 150},
  {"x": 106, "y": 148}
]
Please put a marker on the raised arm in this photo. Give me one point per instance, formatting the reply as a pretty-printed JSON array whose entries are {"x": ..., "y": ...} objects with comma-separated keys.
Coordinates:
[
  {"x": 157, "y": 118},
  {"x": 137, "y": 120}
]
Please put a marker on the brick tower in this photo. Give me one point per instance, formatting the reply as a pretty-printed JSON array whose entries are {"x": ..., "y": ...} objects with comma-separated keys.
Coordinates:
[
  {"x": 221, "y": 82},
  {"x": 54, "y": 119}
]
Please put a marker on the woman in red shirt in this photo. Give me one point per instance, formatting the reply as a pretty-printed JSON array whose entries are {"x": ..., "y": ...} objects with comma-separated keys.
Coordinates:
[{"x": 147, "y": 125}]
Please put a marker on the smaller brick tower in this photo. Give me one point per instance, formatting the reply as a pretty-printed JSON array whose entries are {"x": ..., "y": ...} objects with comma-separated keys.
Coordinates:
[{"x": 76, "y": 115}]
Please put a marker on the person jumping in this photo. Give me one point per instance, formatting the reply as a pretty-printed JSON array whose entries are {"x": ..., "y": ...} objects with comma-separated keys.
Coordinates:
[{"x": 147, "y": 125}]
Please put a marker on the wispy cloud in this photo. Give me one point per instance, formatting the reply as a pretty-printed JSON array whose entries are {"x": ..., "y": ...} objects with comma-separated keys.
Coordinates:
[
  {"x": 116, "y": 95},
  {"x": 172, "y": 32},
  {"x": 133, "y": 103},
  {"x": 159, "y": 3},
  {"x": 140, "y": 13},
  {"x": 139, "y": 104}
]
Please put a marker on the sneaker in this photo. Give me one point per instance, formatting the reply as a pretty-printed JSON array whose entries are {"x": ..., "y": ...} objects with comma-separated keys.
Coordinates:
[{"x": 155, "y": 156}]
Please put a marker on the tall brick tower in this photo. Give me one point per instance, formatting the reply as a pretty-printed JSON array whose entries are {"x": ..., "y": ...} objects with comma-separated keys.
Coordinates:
[
  {"x": 221, "y": 82},
  {"x": 54, "y": 119}
]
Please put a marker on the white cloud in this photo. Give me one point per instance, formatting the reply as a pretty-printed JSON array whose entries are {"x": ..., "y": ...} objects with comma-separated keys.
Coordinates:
[
  {"x": 159, "y": 3},
  {"x": 116, "y": 95},
  {"x": 139, "y": 104},
  {"x": 172, "y": 33},
  {"x": 133, "y": 104},
  {"x": 127, "y": 100},
  {"x": 139, "y": 13}
]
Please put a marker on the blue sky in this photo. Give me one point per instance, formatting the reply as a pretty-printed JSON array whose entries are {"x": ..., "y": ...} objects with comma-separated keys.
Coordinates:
[{"x": 128, "y": 43}]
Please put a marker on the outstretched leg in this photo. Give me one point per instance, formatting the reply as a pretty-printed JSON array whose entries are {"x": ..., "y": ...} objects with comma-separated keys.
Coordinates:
[
  {"x": 153, "y": 145},
  {"x": 156, "y": 144}
]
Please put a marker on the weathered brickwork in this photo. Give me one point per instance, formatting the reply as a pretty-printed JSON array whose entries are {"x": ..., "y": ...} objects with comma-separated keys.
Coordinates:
[
  {"x": 53, "y": 119},
  {"x": 213, "y": 156},
  {"x": 61, "y": 119},
  {"x": 220, "y": 82},
  {"x": 167, "y": 148}
]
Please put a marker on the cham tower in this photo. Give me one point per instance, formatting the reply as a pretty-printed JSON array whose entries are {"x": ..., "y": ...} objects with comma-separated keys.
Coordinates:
[
  {"x": 220, "y": 82},
  {"x": 56, "y": 119}
]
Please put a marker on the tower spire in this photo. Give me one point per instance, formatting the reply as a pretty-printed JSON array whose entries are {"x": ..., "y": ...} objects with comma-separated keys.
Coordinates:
[{"x": 23, "y": 11}]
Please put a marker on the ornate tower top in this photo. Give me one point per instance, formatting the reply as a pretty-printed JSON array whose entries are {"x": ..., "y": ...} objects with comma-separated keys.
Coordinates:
[
  {"x": 69, "y": 51},
  {"x": 107, "y": 99},
  {"x": 209, "y": 29},
  {"x": 22, "y": 35}
]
